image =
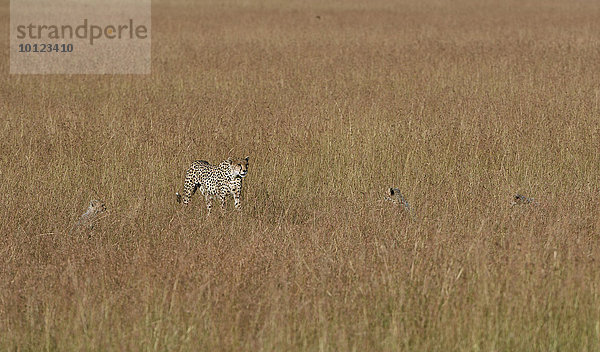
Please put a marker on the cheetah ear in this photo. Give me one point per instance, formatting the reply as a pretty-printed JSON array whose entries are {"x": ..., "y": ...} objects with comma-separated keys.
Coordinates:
[
  {"x": 391, "y": 191},
  {"x": 247, "y": 158},
  {"x": 91, "y": 203}
]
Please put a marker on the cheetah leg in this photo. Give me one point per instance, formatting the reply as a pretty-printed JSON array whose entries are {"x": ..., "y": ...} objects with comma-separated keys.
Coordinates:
[
  {"x": 222, "y": 199},
  {"x": 236, "y": 199},
  {"x": 188, "y": 191},
  {"x": 208, "y": 203},
  {"x": 235, "y": 193}
]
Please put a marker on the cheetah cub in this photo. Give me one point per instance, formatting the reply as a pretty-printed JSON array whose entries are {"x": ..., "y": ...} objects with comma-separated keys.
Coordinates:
[
  {"x": 88, "y": 219},
  {"x": 395, "y": 196},
  {"x": 520, "y": 199}
]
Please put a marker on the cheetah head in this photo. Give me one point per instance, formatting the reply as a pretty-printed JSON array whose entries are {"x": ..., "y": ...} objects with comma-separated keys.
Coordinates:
[
  {"x": 235, "y": 167},
  {"x": 393, "y": 194},
  {"x": 96, "y": 207},
  {"x": 240, "y": 167}
]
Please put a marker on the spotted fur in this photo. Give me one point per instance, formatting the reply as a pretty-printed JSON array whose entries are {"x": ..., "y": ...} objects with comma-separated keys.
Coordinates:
[{"x": 214, "y": 181}]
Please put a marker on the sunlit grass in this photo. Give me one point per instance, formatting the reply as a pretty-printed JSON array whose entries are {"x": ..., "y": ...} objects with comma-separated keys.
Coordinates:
[{"x": 459, "y": 105}]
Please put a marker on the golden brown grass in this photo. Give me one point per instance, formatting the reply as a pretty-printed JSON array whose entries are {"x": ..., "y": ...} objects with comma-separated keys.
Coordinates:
[{"x": 459, "y": 104}]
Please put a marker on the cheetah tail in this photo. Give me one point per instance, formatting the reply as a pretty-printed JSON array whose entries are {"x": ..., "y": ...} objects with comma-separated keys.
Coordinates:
[{"x": 178, "y": 197}]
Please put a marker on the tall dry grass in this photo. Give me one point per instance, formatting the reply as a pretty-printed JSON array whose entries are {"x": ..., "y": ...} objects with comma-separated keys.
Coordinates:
[{"x": 459, "y": 104}]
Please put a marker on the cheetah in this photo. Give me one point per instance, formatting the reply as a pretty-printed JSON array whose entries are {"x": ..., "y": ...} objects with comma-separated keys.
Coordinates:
[
  {"x": 396, "y": 197},
  {"x": 215, "y": 180},
  {"x": 520, "y": 199},
  {"x": 88, "y": 220}
]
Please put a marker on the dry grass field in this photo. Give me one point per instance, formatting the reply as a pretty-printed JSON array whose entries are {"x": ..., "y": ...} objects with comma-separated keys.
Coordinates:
[{"x": 460, "y": 104}]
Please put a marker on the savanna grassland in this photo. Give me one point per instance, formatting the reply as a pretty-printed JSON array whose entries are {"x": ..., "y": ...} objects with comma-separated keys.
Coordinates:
[{"x": 460, "y": 104}]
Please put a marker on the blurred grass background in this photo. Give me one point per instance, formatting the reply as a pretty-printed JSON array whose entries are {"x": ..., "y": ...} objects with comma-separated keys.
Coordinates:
[{"x": 459, "y": 104}]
